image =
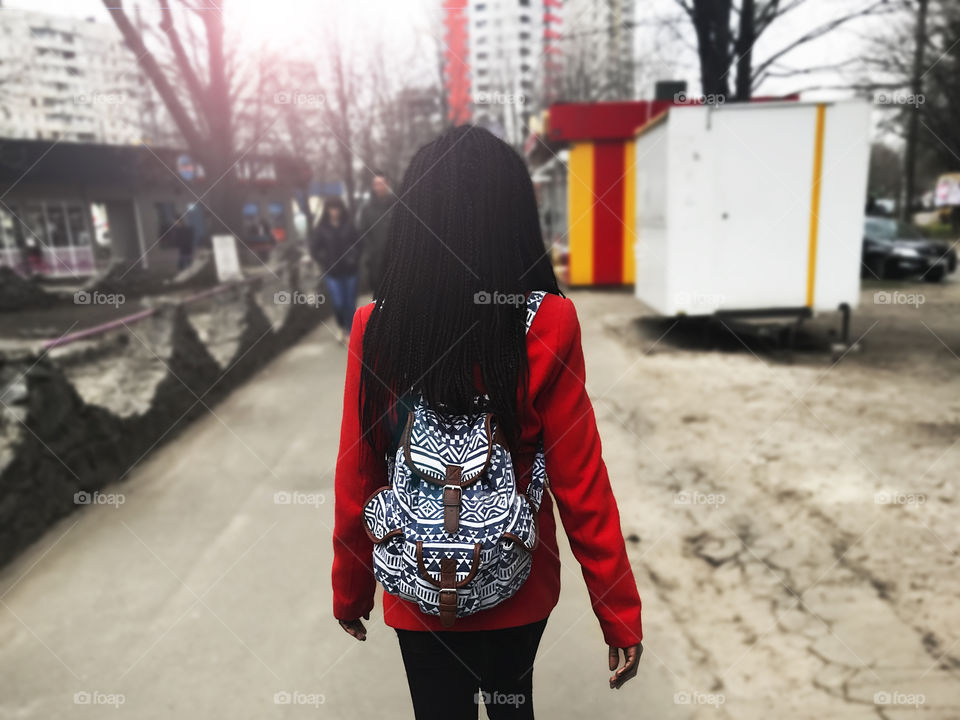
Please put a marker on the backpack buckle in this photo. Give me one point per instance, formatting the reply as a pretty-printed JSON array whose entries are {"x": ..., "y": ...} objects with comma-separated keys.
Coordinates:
[
  {"x": 452, "y": 495},
  {"x": 447, "y": 601}
]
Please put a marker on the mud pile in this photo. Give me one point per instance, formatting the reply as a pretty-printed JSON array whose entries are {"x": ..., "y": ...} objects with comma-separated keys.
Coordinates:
[{"x": 80, "y": 417}]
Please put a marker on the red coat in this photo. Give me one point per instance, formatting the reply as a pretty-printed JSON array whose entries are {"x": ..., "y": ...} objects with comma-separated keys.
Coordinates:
[{"x": 557, "y": 406}]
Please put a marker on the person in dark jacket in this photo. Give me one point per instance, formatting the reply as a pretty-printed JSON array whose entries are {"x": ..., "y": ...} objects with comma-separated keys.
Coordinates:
[
  {"x": 374, "y": 224},
  {"x": 183, "y": 240},
  {"x": 337, "y": 248}
]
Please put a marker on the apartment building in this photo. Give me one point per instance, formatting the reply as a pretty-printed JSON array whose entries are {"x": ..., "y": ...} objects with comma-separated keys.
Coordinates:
[
  {"x": 597, "y": 49},
  {"x": 67, "y": 78},
  {"x": 509, "y": 59},
  {"x": 500, "y": 55}
]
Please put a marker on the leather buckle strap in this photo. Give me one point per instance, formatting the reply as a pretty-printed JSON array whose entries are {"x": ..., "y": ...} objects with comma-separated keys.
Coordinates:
[
  {"x": 452, "y": 494},
  {"x": 448, "y": 592}
]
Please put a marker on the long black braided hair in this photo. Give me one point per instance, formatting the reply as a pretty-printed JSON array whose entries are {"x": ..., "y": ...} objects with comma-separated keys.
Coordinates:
[{"x": 464, "y": 246}]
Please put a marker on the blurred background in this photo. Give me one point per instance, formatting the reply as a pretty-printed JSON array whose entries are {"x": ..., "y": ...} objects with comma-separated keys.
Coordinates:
[{"x": 754, "y": 204}]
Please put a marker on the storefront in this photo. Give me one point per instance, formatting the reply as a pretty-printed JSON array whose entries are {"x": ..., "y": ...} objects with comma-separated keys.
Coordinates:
[
  {"x": 584, "y": 168},
  {"x": 69, "y": 209}
]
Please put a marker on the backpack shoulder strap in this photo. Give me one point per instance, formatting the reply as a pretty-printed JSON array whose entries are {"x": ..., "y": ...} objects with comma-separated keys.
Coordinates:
[
  {"x": 533, "y": 304},
  {"x": 538, "y": 476}
]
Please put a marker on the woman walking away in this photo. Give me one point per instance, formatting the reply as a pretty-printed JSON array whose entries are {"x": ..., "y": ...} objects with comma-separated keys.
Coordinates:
[
  {"x": 464, "y": 392},
  {"x": 337, "y": 248}
]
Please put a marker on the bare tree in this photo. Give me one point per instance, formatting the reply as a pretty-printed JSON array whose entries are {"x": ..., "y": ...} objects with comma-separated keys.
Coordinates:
[
  {"x": 916, "y": 65},
  {"x": 728, "y": 31},
  {"x": 340, "y": 109},
  {"x": 203, "y": 111}
]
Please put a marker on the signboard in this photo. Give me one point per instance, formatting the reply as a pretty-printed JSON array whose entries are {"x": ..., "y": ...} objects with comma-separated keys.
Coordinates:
[
  {"x": 948, "y": 190},
  {"x": 226, "y": 258}
]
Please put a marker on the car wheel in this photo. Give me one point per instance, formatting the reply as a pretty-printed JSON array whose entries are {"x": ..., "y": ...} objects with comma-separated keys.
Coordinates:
[
  {"x": 888, "y": 270},
  {"x": 935, "y": 274},
  {"x": 874, "y": 268}
]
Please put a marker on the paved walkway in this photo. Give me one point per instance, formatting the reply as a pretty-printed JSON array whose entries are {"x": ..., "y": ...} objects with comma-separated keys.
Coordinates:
[{"x": 202, "y": 596}]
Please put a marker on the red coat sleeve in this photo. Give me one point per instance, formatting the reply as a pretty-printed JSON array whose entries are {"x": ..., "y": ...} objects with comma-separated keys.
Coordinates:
[
  {"x": 359, "y": 473},
  {"x": 581, "y": 487}
]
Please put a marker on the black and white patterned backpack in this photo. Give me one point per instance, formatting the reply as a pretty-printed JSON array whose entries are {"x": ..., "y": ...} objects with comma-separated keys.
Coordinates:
[{"x": 450, "y": 532}]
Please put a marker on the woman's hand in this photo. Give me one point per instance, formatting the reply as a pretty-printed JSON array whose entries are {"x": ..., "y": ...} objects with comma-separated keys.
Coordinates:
[
  {"x": 355, "y": 628},
  {"x": 631, "y": 657}
]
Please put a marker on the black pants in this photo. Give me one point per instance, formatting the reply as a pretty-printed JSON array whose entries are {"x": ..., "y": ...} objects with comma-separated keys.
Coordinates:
[{"x": 451, "y": 672}]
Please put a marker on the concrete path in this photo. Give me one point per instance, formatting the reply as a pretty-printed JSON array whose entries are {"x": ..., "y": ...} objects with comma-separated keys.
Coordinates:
[{"x": 204, "y": 591}]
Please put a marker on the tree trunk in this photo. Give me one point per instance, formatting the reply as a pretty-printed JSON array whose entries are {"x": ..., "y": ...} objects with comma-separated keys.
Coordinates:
[
  {"x": 224, "y": 200},
  {"x": 711, "y": 21},
  {"x": 746, "y": 37},
  {"x": 913, "y": 122}
]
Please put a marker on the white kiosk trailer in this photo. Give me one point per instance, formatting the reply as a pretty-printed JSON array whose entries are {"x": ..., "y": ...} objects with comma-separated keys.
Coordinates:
[{"x": 752, "y": 210}]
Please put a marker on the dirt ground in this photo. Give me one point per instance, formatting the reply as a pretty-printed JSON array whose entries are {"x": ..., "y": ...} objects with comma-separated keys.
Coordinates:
[{"x": 797, "y": 512}]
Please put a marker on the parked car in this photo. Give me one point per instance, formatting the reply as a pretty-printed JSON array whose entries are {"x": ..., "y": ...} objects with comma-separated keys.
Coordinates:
[{"x": 894, "y": 249}]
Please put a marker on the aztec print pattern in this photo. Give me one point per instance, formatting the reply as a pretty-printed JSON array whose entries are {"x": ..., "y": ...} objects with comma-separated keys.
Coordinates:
[
  {"x": 437, "y": 441},
  {"x": 497, "y": 529}
]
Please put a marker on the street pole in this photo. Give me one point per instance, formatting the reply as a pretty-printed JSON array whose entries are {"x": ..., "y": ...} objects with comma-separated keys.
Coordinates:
[{"x": 913, "y": 122}]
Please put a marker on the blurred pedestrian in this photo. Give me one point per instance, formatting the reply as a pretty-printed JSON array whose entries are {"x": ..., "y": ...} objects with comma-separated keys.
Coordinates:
[
  {"x": 337, "y": 248},
  {"x": 183, "y": 241},
  {"x": 448, "y": 334},
  {"x": 374, "y": 226}
]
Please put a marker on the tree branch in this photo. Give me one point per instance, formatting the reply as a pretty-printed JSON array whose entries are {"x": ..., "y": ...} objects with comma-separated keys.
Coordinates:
[
  {"x": 153, "y": 71},
  {"x": 818, "y": 32},
  {"x": 196, "y": 90}
]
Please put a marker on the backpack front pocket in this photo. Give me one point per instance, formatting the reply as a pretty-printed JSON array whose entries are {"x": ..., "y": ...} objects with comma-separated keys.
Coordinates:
[
  {"x": 381, "y": 517},
  {"x": 522, "y": 532},
  {"x": 516, "y": 546},
  {"x": 384, "y": 526},
  {"x": 446, "y": 568}
]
